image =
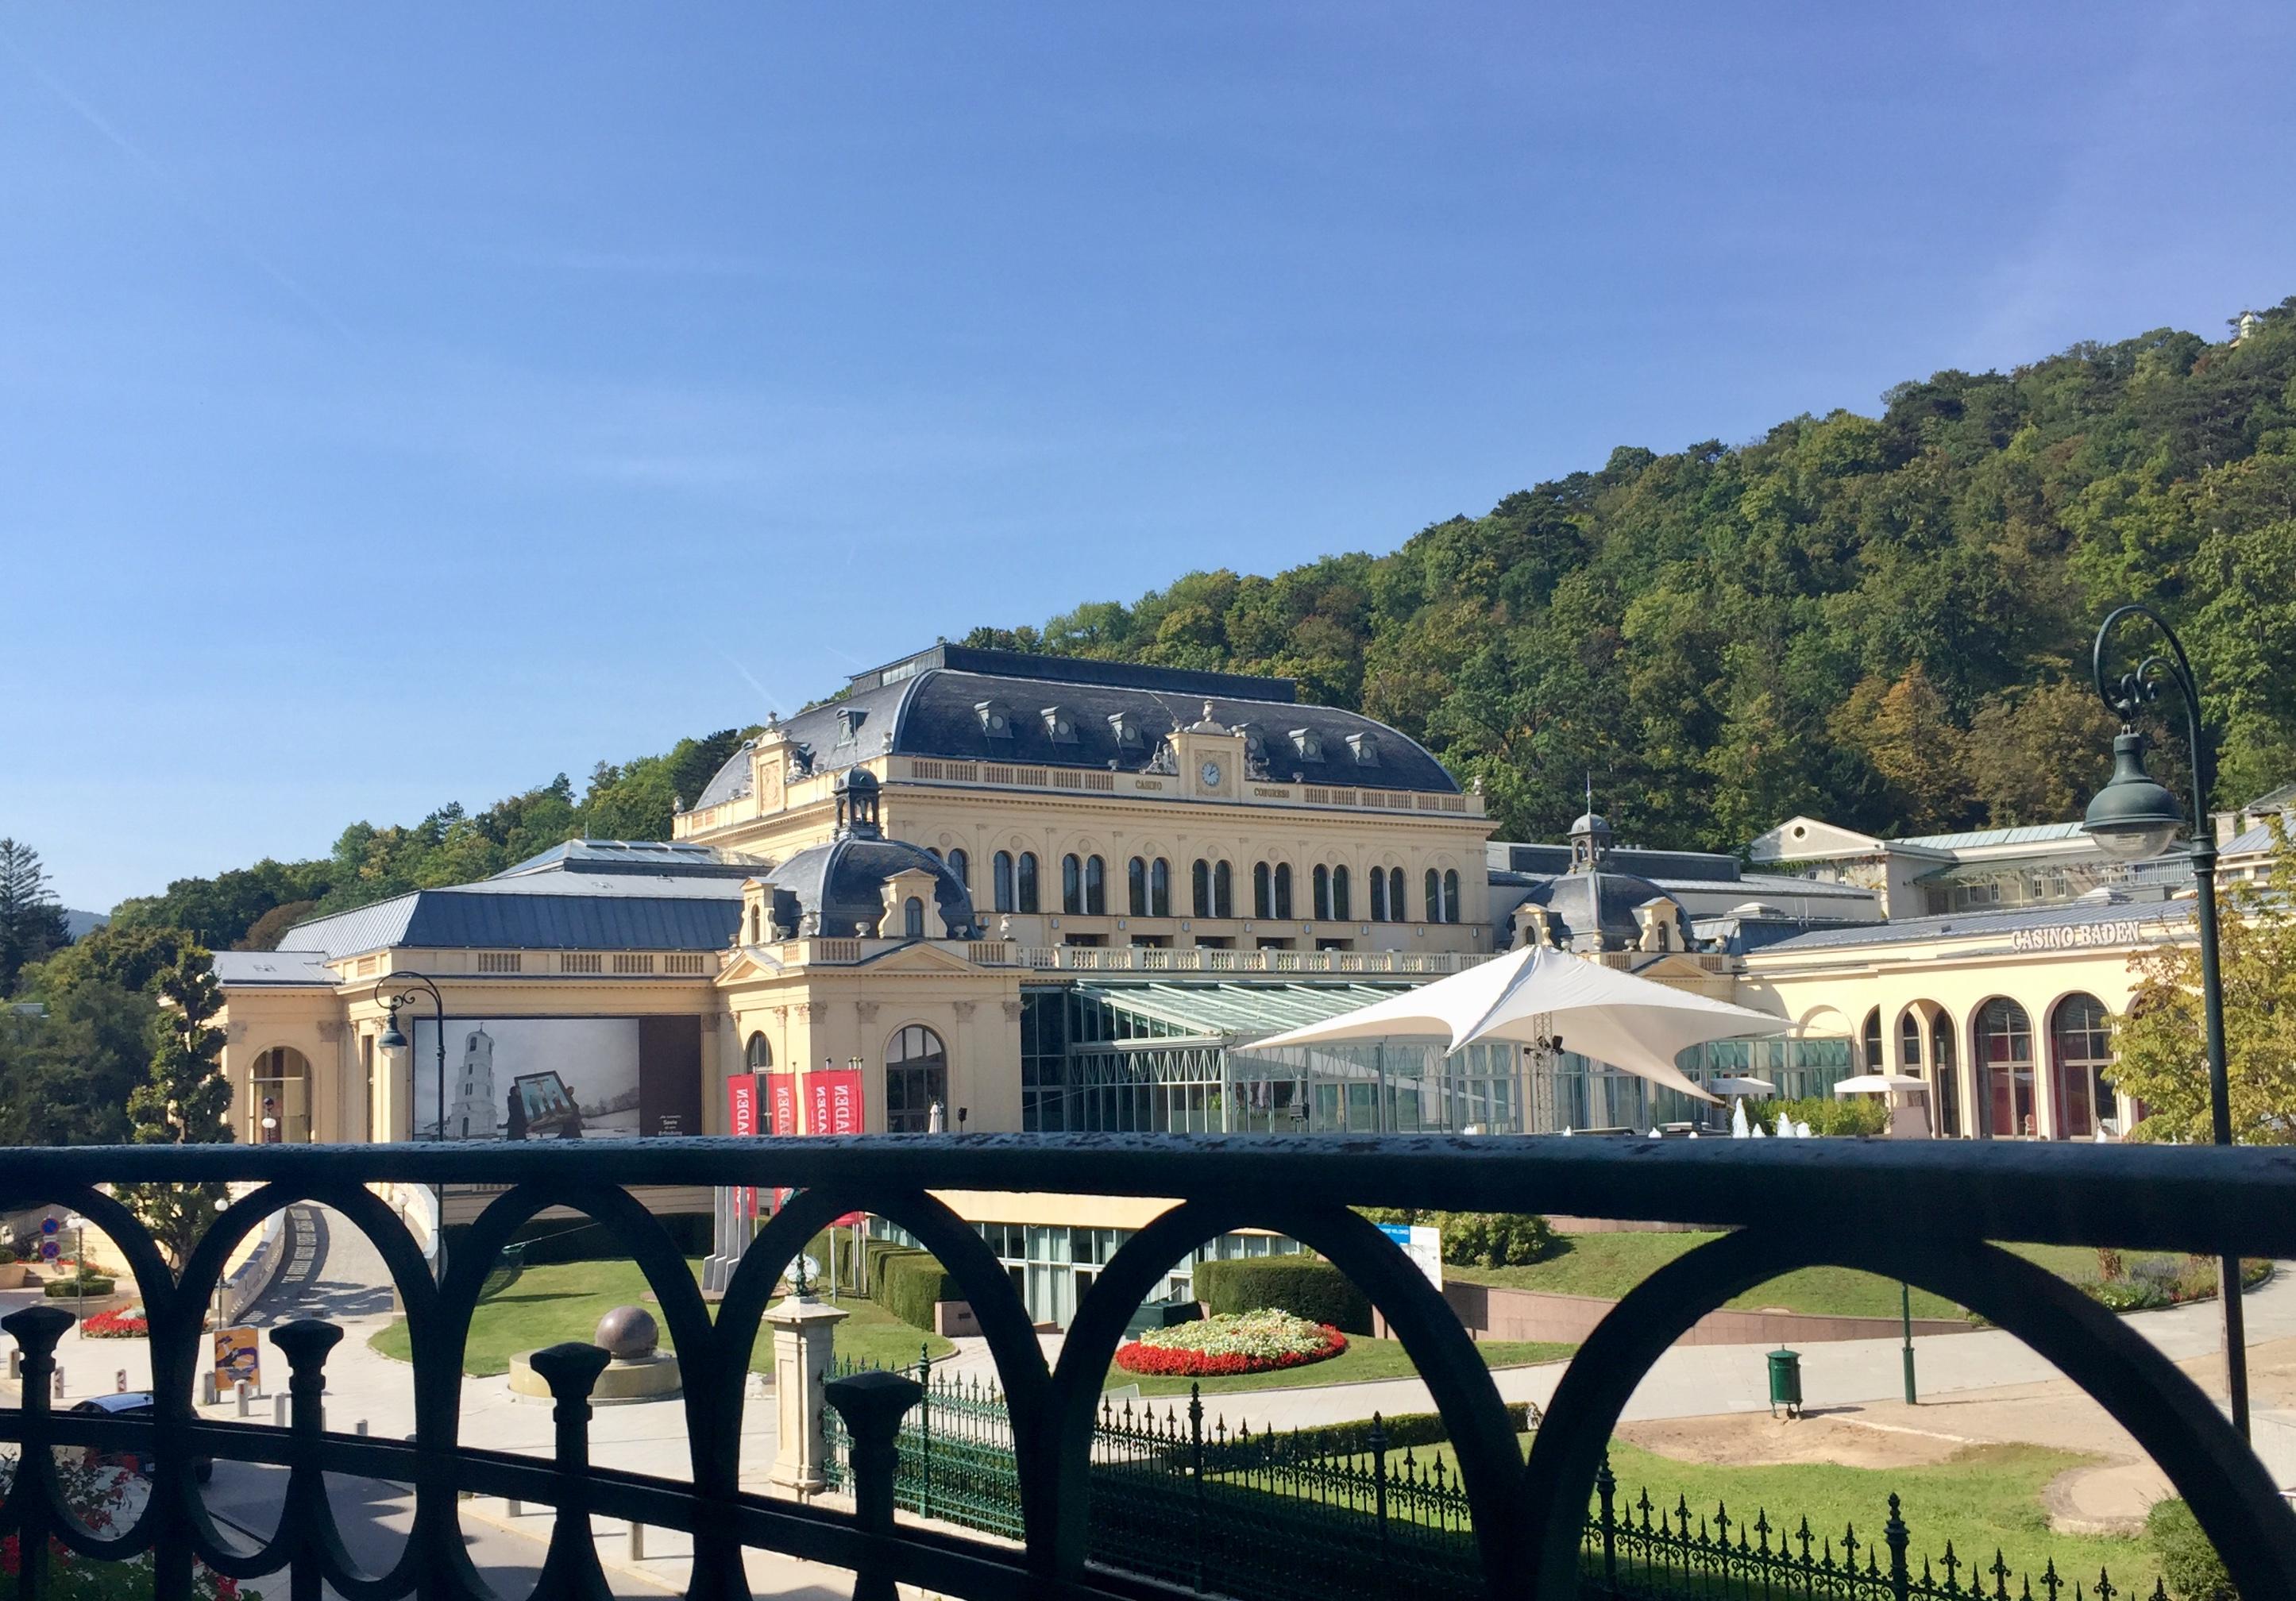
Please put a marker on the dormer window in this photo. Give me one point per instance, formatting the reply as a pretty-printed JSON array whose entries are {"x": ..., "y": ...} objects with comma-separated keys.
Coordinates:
[
  {"x": 1309, "y": 743},
  {"x": 996, "y": 719},
  {"x": 1059, "y": 724},
  {"x": 800, "y": 760},
  {"x": 1366, "y": 750},
  {"x": 1255, "y": 740},
  {"x": 1125, "y": 727},
  {"x": 849, "y": 720}
]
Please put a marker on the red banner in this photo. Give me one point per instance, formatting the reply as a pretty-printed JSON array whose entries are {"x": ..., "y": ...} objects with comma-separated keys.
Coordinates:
[
  {"x": 780, "y": 1100},
  {"x": 834, "y": 1103},
  {"x": 741, "y": 1104}
]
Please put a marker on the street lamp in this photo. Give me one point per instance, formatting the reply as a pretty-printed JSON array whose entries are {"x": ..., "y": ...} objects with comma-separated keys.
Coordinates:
[
  {"x": 2134, "y": 816},
  {"x": 392, "y": 1042}
]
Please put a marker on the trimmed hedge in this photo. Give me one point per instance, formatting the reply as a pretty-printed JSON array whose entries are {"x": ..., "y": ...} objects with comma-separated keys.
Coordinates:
[
  {"x": 909, "y": 1283},
  {"x": 2188, "y": 1561},
  {"x": 66, "y": 1289},
  {"x": 1406, "y": 1432},
  {"x": 1305, "y": 1286}
]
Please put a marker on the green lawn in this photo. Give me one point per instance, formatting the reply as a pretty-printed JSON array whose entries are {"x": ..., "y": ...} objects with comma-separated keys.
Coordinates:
[
  {"x": 1364, "y": 1359},
  {"x": 563, "y": 1300},
  {"x": 1608, "y": 1265}
]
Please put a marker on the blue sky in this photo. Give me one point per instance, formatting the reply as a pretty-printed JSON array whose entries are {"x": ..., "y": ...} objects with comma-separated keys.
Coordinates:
[{"x": 409, "y": 406}]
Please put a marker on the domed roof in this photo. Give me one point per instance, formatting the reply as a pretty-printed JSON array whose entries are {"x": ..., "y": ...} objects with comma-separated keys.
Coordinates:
[
  {"x": 1590, "y": 823},
  {"x": 842, "y": 884},
  {"x": 1599, "y": 904}
]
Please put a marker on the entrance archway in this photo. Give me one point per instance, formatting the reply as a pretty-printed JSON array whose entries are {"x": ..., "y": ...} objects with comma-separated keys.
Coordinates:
[{"x": 279, "y": 1097}]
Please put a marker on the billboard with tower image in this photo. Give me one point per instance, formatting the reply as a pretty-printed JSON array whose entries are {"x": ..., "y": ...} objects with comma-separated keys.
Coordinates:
[{"x": 558, "y": 1077}]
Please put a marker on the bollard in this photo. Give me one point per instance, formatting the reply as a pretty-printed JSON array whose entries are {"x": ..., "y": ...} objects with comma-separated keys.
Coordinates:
[
  {"x": 208, "y": 1396},
  {"x": 245, "y": 1393},
  {"x": 513, "y": 1508},
  {"x": 120, "y": 1381},
  {"x": 280, "y": 1410},
  {"x": 15, "y": 1366},
  {"x": 60, "y": 1381},
  {"x": 871, "y": 1403},
  {"x": 361, "y": 1428},
  {"x": 637, "y": 1541}
]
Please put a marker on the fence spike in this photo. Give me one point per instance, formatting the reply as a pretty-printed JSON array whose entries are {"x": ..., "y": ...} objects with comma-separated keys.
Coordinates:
[
  {"x": 1952, "y": 1570},
  {"x": 2104, "y": 1590},
  {"x": 2049, "y": 1579},
  {"x": 1762, "y": 1527},
  {"x": 2000, "y": 1572}
]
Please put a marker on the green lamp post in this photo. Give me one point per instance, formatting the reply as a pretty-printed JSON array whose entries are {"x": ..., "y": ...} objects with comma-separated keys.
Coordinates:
[{"x": 2135, "y": 816}]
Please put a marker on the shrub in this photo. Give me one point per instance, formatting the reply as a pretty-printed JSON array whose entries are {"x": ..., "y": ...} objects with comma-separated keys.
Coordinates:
[
  {"x": 2188, "y": 1561},
  {"x": 1260, "y": 1342},
  {"x": 1479, "y": 1239},
  {"x": 907, "y": 1283},
  {"x": 1305, "y": 1286},
  {"x": 1407, "y": 1431},
  {"x": 1841, "y": 1117},
  {"x": 77, "y": 1285}
]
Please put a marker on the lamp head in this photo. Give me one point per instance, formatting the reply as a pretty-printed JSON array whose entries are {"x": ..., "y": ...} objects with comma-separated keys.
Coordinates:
[
  {"x": 2133, "y": 816},
  {"x": 391, "y": 1038}
]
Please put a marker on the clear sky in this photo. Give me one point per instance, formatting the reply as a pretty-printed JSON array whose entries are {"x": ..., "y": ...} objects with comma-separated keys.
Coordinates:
[{"x": 403, "y": 404}]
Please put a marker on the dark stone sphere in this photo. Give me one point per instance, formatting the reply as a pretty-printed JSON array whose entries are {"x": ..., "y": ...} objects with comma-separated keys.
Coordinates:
[{"x": 627, "y": 1333}]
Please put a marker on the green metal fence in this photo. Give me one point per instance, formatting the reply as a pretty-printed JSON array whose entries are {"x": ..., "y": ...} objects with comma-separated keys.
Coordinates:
[{"x": 1300, "y": 1517}]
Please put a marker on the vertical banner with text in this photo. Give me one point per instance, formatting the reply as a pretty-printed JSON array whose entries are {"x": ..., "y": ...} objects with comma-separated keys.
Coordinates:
[
  {"x": 834, "y": 1103},
  {"x": 742, "y": 1119},
  {"x": 781, "y": 1101}
]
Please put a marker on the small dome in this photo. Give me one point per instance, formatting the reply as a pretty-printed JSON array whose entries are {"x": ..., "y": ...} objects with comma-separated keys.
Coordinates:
[
  {"x": 1600, "y": 906},
  {"x": 841, "y": 884},
  {"x": 1590, "y": 823}
]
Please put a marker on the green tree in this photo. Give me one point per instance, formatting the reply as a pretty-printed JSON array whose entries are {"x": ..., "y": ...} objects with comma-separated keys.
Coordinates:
[
  {"x": 185, "y": 1100},
  {"x": 32, "y": 921},
  {"x": 2159, "y": 1046},
  {"x": 2037, "y": 756}
]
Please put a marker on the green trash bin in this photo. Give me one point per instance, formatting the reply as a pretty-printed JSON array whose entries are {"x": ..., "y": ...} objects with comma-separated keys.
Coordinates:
[{"x": 1786, "y": 1381}]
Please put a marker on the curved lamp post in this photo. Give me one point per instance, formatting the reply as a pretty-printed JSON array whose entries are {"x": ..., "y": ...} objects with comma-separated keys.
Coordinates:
[
  {"x": 2134, "y": 816},
  {"x": 392, "y": 1042}
]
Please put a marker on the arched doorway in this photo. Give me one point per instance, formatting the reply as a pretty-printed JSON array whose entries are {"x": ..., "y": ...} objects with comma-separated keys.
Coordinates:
[
  {"x": 2004, "y": 1039},
  {"x": 279, "y": 1097},
  {"x": 916, "y": 1080},
  {"x": 2080, "y": 1055}
]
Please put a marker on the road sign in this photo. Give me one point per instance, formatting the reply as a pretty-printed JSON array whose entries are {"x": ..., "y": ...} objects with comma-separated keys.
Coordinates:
[
  {"x": 47, "y": 1225},
  {"x": 48, "y": 1249}
]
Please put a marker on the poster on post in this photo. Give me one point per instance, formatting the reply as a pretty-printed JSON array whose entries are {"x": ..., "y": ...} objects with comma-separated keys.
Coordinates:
[{"x": 237, "y": 1357}]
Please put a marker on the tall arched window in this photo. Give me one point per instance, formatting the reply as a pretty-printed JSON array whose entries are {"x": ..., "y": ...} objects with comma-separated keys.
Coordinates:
[
  {"x": 1945, "y": 1064},
  {"x": 916, "y": 1080},
  {"x": 912, "y": 918},
  {"x": 1199, "y": 888},
  {"x": 1000, "y": 871},
  {"x": 757, "y": 923},
  {"x": 960, "y": 864},
  {"x": 1451, "y": 896},
  {"x": 2080, "y": 1055},
  {"x": 2004, "y": 1060},
  {"x": 1095, "y": 887},
  {"x": 1434, "y": 896},
  {"x": 1263, "y": 892},
  {"x": 1321, "y": 881},
  {"x": 1159, "y": 888},
  {"x": 1135, "y": 887},
  {"x": 1379, "y": 894},
  {"x": 1025, "y": 876},
  {"x": 1223, "y": 890},
  {"x": 1870, "y": 1040},
  {"x": 1283, "y": 891},
  {"x": 1339, "y": 907},
  {"x": 1396, "y": 909},
  {"x": 279, "y": 1092},
  {"x": 759, "y": 1055},
  {"x": 1909, "y": 1043},
  {"x": 1072, "y": 885}
]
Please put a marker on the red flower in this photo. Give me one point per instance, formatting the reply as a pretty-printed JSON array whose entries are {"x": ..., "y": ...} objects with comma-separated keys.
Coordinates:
[{"x": 1163, "y": 1361}]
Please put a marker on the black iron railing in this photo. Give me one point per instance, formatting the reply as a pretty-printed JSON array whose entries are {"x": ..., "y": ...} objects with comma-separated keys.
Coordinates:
[{"x": 1922, "y": 1213}]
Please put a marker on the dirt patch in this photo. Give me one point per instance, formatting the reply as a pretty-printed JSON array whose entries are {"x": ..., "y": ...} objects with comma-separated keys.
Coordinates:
[{"x": 1756, "y": 1439}]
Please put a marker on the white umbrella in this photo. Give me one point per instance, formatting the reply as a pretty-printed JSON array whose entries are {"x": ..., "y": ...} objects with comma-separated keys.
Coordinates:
[
  {"x": 1742, "y": 1086},
  {"x": 1540, "y": 992},
  {"x": 1874, "y": 1084}
]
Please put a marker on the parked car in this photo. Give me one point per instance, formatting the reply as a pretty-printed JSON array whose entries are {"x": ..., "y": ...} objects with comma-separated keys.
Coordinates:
[{"x": 139, "y": 1404}]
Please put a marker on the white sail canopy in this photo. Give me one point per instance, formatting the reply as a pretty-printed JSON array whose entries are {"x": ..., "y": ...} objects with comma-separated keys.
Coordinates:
[{"x": 1541, "y": 992}]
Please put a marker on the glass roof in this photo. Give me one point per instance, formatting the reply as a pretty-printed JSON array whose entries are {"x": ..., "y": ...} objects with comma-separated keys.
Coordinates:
[{"x": 1240, "y": 1011}]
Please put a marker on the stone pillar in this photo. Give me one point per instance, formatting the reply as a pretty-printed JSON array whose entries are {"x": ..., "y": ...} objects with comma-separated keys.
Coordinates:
[{"x": 803, "y": 1329}]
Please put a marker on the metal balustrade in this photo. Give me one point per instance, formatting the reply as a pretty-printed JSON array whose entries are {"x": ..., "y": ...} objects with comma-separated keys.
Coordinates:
[{"x": 1919, "y": 1211}]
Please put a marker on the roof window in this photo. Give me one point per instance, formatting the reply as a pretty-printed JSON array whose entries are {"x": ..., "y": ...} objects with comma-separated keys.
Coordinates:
[
  {"x": 996, "y": 719},
  {"x": 1366, "y": 749},
  {"x": 1059, "y": 724},
  {"x": 849, "y": 720},
  {"x": 1308, "y": 742},
  {"x": 1125, "y": 727}
]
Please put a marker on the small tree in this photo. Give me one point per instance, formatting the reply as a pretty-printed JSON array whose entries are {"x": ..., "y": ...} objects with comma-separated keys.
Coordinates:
[
  {"x": 185, "y": 1101},
  {"x": 31, "y": 922},
  {"x": 2161, "y": 1045}
]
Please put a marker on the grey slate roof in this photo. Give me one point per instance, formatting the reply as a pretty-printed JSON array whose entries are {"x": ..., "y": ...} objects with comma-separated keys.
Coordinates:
[
  {"x": 843, "y": 881},
  {"x": 1990, "y": 925},
  {"x": 501, "y": 919},
  {"x": 273, "y": 970},
  {"x": 935, "y": 714}
]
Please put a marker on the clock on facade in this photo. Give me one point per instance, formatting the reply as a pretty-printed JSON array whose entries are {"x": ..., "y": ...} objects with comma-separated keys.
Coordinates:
[{"x": 1211, "y": 775}]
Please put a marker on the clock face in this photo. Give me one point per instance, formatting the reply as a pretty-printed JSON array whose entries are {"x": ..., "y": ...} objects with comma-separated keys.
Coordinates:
[{"x": 1211, "y": 774}]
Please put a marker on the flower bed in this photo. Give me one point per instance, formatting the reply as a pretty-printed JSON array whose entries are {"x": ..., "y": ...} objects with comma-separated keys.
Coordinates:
[
  {"x": 120, "y": 1322},
  {"x": 1257, "y": 1342}
]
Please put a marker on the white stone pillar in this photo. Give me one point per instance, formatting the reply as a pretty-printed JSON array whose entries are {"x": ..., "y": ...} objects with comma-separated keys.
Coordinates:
[{"x": 804, "y": 1330}]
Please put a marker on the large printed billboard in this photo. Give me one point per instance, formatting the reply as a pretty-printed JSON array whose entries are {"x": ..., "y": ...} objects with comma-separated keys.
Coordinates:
[{"x": 559, "y": 1078}]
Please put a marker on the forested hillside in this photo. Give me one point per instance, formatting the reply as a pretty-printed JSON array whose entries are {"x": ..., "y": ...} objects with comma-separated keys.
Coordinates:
[{"x": 1883, "y": 620}]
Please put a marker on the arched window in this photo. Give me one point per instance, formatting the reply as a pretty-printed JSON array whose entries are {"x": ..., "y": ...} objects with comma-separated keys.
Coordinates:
[
  {"x": 1396, "y": 910},
  {"x": 1909, "y": 1043},
  {"x": 2080, "y": 1055},
  {"x": 1339, "y": 907},
  {"x": 756, "y": 922},
  {"x": 1159, "y": 888},
  {"x": 1000, "y": 872},
  {"x": 912, "y": 918},
  {"x": 916, "y": 1080},
  {"x": 279, "y": 1094},
  {"x": 2004, "y": 1059},
  {"x": 1451, "y": 896},
  {"x": 1379, "y": 894},
  {"x": 1434, "y": 896},
  {"x": 759, "y": 1054},
  {"x": 960, "y": 864},
  {"x": 1223, "y": 890},
  {"x": 1870, "y": 1040},
  {"x": 1135, "y": 887},
  {"x": 1072, "y": 885},
  {"x": 1263, "y": 895},
  {"x": 1199, "y": 888},
  {"x": 1095, "y": 887},
  {"x": 1283, "y": 891},
  {"x": 1321, "y": 879},
  {"x": 1945, "y": 1065},
  {"x": 1026, "y": 876}
]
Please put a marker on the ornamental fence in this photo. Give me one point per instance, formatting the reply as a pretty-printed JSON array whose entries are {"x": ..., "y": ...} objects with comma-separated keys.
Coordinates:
[
  {"x": 1345, "y": 1512},
  {"x": 1106, "y": 1510}
]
